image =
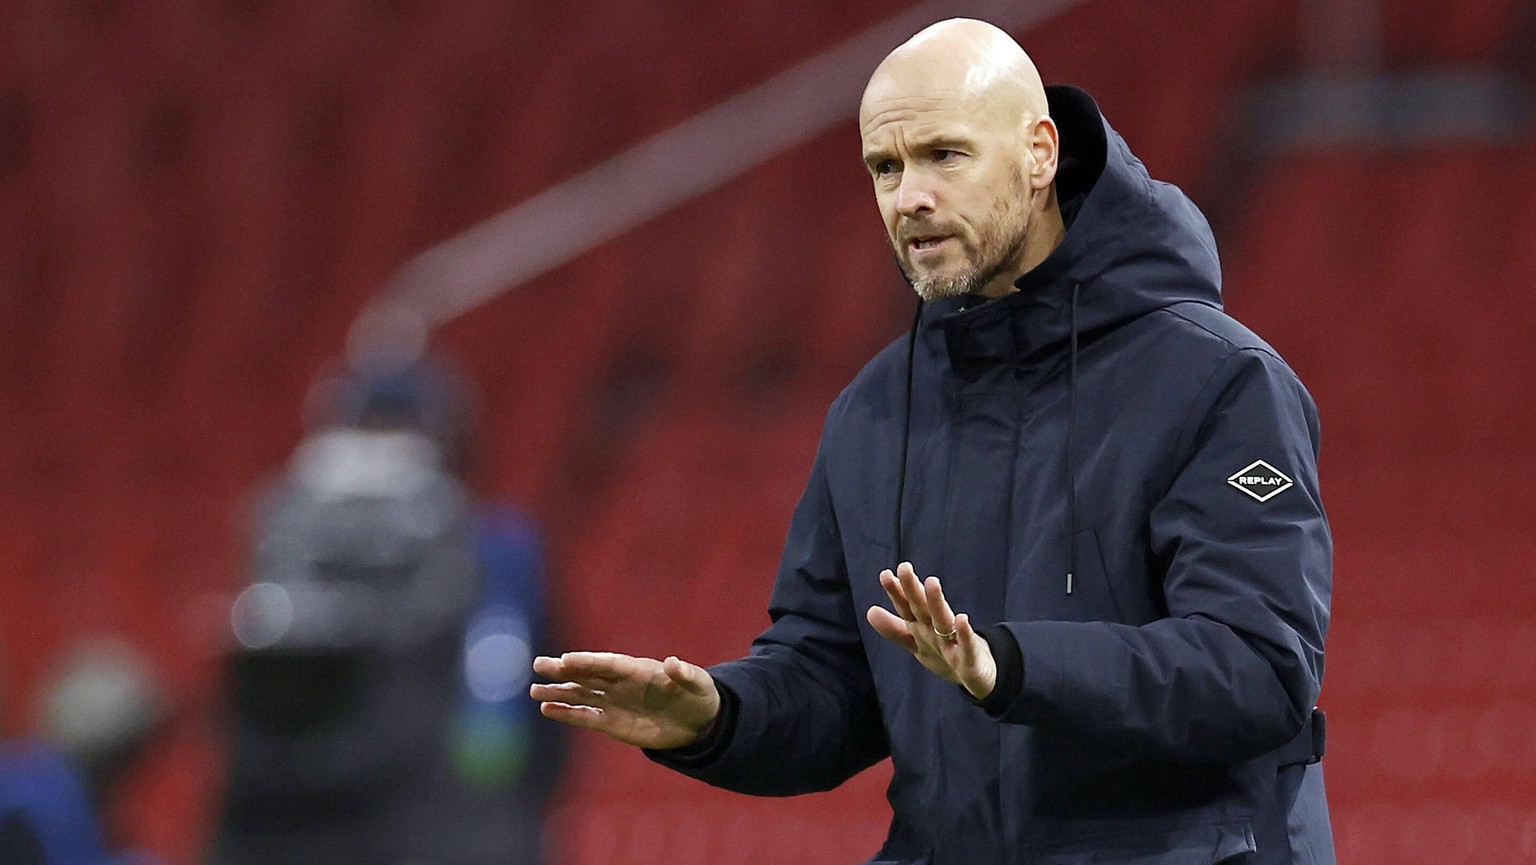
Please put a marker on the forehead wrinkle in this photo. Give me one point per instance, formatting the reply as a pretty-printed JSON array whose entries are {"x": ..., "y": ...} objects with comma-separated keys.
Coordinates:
[
  {"x": 918, "y": 113},
  {"x": 874, "y": 112}
]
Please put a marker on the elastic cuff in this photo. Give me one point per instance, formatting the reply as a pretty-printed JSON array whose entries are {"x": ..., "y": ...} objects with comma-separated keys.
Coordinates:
[
  {"x": 1009, "y": 659},
  {"x": 708, "y": 747}
]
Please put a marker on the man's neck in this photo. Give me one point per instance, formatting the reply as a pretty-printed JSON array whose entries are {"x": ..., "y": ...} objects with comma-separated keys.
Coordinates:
[{"x": 1045, "y": 233}]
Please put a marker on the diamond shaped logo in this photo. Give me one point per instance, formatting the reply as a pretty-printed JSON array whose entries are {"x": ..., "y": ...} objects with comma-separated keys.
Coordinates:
[{"x": 1261, "y": 480}]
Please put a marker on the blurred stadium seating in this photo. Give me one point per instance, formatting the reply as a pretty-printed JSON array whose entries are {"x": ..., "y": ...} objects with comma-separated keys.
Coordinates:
[{"x": 197, "y": 197}]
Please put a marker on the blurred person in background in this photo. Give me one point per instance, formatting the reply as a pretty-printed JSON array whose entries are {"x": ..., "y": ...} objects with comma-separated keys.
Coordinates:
[
  {"x": 95, "y": 718},
  {"x": 379, "y": 709}
]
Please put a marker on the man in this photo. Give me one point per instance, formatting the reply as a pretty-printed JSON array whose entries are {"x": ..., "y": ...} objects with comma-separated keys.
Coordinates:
[{"x": 1095, "y": 458}]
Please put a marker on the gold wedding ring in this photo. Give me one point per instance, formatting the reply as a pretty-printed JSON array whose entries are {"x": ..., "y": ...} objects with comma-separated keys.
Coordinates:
[{"x": 943, "y": 636}]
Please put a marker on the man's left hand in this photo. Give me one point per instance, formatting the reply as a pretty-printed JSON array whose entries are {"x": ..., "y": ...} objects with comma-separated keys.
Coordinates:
[{"x": 924, "y": 625}]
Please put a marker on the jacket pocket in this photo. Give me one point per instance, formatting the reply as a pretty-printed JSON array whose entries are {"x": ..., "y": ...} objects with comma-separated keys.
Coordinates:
[{"x": 1230, "y": 843}]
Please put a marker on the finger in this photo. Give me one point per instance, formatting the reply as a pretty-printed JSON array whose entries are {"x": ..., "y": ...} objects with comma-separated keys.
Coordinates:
[
  {"x": 576, "y": 716},
  {"x": 547, "y": 666},
  {"x": 596, "y": 670},
  {"x": 568, "y": 693},
  {"x": 891, "y": 627},
  {"x": 592, "y": 683},
  {"x": 893, "y": 591},
  {"x": 913, "y": 590},
  {"x": 559, "y": 691},
  {"x": 601, "y": 666},
  {"x": 692, "y": 678},
  {"x": 938, "y": 607},
  {"x": 967, "y": 637}
]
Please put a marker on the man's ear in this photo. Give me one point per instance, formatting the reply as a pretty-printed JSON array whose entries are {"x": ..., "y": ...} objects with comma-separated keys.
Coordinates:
[{"x": 1044, "y": 149}]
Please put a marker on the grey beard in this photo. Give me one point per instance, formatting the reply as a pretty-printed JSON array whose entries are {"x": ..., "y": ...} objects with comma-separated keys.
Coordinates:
[
  {"x": 934, "y": 287},
  {"x": 1006, "y": 248},
  {"x": 968, "y": 281}
]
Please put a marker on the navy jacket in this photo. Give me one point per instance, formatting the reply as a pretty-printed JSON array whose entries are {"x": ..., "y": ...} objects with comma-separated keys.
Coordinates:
[{"x": 1164, "y": 709}]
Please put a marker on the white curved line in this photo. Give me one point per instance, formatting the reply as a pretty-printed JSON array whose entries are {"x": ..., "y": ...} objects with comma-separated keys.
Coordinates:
[{"x": 694, "y": 157}]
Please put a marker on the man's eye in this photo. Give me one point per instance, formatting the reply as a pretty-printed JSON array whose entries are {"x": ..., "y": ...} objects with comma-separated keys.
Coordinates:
[
  {"x": 942, "y": 155},
  {"x": 885, "y": 166}
]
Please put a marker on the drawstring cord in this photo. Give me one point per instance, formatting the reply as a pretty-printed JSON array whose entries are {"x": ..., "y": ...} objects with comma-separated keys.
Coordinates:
[
  {"x": 1071, "y": 433},
  {"x": 906, "y": 437},
  {"x": 906, "y": 429}
]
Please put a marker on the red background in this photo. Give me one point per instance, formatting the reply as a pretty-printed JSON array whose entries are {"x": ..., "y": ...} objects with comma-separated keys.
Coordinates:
[{"x": 196, "y": 197}]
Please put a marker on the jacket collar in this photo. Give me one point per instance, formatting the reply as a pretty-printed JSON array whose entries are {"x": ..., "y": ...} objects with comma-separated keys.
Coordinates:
[{"x": 1132, "y": 245}]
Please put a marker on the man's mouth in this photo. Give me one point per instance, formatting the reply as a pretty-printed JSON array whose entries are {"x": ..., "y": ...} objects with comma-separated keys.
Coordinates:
[{"x": 926, "y": 241}]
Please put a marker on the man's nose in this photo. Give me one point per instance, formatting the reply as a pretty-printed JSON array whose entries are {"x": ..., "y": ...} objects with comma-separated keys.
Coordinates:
[{"x": 915, "y": 196}]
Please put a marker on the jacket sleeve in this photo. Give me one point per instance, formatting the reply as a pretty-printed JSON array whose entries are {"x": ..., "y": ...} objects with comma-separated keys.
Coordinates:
[
  {"x": 1234, "y": 670},
  {"x": 806, "y": 718}
]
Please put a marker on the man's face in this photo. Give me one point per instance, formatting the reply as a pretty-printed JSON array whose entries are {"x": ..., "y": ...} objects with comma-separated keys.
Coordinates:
[{"x": 950, "y": 186}]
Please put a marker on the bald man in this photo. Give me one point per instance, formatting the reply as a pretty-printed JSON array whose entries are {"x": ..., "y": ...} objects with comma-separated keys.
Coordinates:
[{"x": 1112, "y": 484}]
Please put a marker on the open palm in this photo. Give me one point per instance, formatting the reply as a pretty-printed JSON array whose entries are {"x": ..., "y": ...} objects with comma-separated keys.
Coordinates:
[{"x": 638, "y": 701}]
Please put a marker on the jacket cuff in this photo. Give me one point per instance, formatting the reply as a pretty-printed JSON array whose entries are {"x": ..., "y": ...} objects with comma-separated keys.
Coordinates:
[
  {"x": 708, "y": 747},
  {"x": 1009, "y": 659}
]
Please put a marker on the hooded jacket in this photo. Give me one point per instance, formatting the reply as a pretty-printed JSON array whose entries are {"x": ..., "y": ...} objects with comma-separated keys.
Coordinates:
[{"x": 1110, "y": 422}]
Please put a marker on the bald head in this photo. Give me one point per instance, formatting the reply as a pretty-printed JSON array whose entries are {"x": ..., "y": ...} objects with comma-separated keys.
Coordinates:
[
  {"x": 963, "y": 154},
  {"x": 962, "y": 60}
]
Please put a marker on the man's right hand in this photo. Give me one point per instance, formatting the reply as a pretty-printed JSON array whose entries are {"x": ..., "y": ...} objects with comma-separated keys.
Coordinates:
[{"x": 638, "y": 701}]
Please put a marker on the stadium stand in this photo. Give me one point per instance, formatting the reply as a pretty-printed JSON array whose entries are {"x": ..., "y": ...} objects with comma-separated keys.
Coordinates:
[
  {"x": 1395, "y": 283},
  {"x": 196, "y": 199}
]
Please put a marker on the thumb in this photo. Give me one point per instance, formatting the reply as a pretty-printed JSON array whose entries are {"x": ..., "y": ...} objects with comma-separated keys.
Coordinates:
[
  {"x": 981, "y": 667},
  {"x": 693, "y": 679}
]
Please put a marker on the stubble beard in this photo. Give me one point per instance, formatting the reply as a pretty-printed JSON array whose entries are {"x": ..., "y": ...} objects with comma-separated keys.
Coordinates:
[{"x": 998, "y": 248}]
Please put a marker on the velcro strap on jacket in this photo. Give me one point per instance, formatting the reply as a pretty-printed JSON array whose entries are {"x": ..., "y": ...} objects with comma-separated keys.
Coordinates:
[{"x": 1309, "y": 744}]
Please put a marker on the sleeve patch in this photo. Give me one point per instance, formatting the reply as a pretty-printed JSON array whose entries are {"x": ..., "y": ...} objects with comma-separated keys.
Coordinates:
[{"x": 1261, "y": 481}]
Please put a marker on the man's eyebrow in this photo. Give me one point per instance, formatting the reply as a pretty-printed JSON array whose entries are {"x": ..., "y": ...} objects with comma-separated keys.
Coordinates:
[
  {"x": 944, "y": 141},
  {"x": 937, "y": 141}
]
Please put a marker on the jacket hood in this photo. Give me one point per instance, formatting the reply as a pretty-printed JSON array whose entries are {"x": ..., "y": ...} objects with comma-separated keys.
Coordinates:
[{"x": 1133, "y": 245}]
